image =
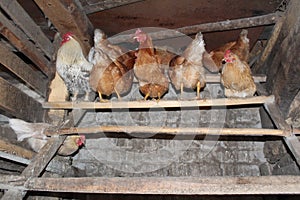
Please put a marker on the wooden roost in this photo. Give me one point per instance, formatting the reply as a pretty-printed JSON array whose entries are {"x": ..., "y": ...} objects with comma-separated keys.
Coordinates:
[{"x": 36, "y": 75}]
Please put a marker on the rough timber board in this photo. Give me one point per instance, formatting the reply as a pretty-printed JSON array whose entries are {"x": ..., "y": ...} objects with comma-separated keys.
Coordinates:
[
  {"x": 18, "y": 104},
  {"x": 21, "y": 42},
  {"x": 104, "y": 5},
  {"x": 207, "y": 27},
  {"x": 36, "y": 166},
  {"x": 161, "y": 103},
  {"x": 167, "y": 185},
  {"x": 22, "y": 70},
  {"x": 67, "y": 16},
  {"x": 20, "y": 17}
]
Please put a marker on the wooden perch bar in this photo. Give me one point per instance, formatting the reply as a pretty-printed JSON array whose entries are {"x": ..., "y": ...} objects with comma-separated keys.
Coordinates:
[
  {"x": 170, "y": 185},
  {"x": 141, "y": 131},
  {"x": 161, "y": 103},
  {"x": 207, "y": 27}
]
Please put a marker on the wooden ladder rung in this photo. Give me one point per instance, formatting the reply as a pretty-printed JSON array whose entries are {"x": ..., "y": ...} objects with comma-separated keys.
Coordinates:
[
  {"x": 142, "y": 131},
  {"x": 160, "y": 104}
]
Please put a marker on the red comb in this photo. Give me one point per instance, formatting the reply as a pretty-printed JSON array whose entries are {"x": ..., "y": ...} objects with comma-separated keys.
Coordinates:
[{"x": 138, "y": 31}]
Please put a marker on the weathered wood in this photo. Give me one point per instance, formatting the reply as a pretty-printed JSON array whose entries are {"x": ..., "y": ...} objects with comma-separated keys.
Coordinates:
[
  {"x": 12, "y": 181},
  {"x": 170, "y": 185},
  {"x": 105, "y": 5},
  {"x": 282, "y": 65},
  {"x": 161, "y": 103},
  {"x": 145, "y": 130},
  {"x": 270, "y": 45},
  {"x": 290, "y": 139},
  {"x": 67, "y": 16},
  {"x": 207, "y": 27},
  {"x": 7, "y": 147},
  {"x": 21, "y": 42},
  {"x": 22, "y": 70},
  {"x": 18, "y": 104},
  {"x": 23, "y": 20},
  {"x": 37, "y": 165}
]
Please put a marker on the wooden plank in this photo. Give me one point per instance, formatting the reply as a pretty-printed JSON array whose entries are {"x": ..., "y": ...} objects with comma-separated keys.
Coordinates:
[
  {"x": 21, "y": 42},
  {"x": 22, "y": 70},
  {"x": 68, "y": 16},
  {"x": 215, "y": 78},
  {"x": 282, "y": 65},
  {"x": 170, "y": 185},
  {"x": 36, "y": 166},
  {"x": 7, "y": 147},
  {"x": 271, "y": 42},
  {"x": 159, "y": 104},
  {"x": 12, "y": 181},
  {"x": 105, "y": 5},
  {"x": 207, "y": 27},
  {"x": 23, "y": 20},
  {"x": 290, "y": 139},
  {"x": 18, "y": 104},
  {"x": 141, "y": 131}
]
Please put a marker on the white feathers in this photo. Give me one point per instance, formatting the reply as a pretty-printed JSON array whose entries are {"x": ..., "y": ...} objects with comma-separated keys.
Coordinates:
[{"x": 28, "y": 130}]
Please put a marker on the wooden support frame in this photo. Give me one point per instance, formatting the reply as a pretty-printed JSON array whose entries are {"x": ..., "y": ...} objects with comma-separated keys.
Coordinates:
[
  {"x": 105, "y": 5},
  {"x": 207, "y": 27},
  {"x": 21, "y": 42},
  {"x": 67, "y": 16},
  {"x": 22, "y": 70},
  {"x": 19, "y": 104},
  {"x": 159, "y": 185},
  {"x": 36, "y": 166},
  {"x": 23, "y": 20},
  {"x": 170, "y": 185}
]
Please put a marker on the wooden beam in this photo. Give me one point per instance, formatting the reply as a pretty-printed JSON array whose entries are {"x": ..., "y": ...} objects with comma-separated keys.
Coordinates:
[
  {"x": 22, "y": 70},
  {"x": 18, "y": 104},
  {"x": 290, "y": 139},
  {"x": 23, "y": 20},
  {"x": 207, "y": 27},
  {"x": 21, "y": 42},
  {"x": 36, "y": 166},
  {"x": 170, "y": 185},
  {"x": 105, "y": 5},
  {"x": 168, "y": 131},
  {"x": 7, "y": 147},
  {"x": 161, "y": 103},
  {"x": 282, "y": 65},
  {"x": 270, "y": 45},
  {"x": 67, "y": 15},
  {"x": 12, "y": 182}
]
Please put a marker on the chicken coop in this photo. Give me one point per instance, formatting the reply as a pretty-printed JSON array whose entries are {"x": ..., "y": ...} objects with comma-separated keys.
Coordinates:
[{"x": 148, "y": 99}]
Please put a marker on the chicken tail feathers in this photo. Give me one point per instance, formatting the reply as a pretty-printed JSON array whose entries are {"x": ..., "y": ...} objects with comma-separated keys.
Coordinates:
[{"x": 25, "y": 130}]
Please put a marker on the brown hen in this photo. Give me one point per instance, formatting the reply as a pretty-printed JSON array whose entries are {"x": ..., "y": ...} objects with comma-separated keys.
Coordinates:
[
  {"x": 148, "y": 68},
  {"x": 186, "y": 71},
  {"x": 236, "y": 77},
  {"x": 112, "y": 70},
  {"x": 240, "y": 47}
]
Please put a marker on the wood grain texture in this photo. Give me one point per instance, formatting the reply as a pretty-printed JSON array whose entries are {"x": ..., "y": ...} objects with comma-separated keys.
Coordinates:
[
  {"x": 23, "y": 20},
  {"x": 19, "y": 104},
  {"x": 170, "y": 185},
  {"x": 160, "y": 104},
  {"x": 21, "y": 42},
  {"x": 67, "y": 16},
  {"x": 22, "y": 70}
]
